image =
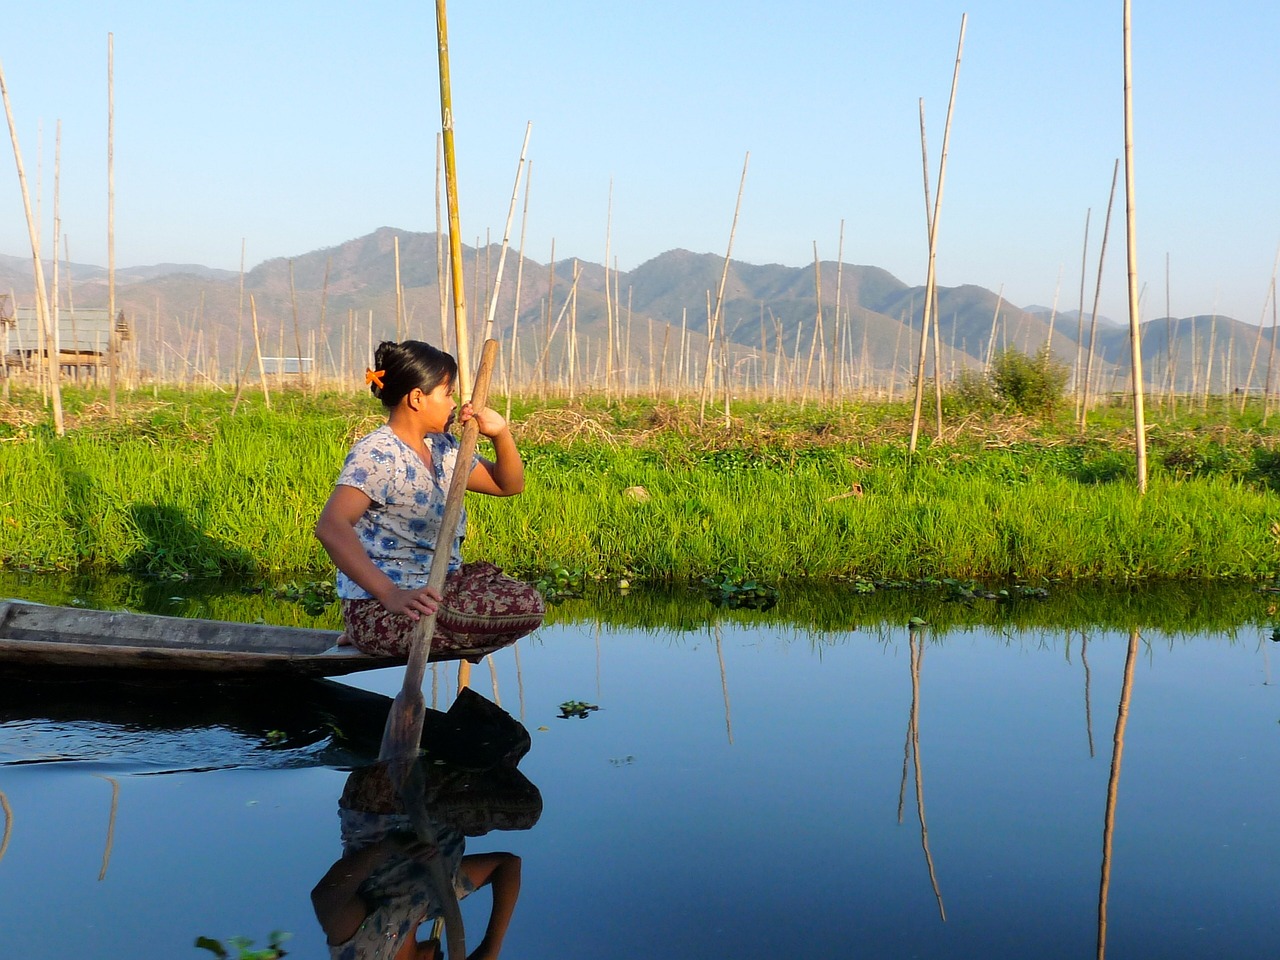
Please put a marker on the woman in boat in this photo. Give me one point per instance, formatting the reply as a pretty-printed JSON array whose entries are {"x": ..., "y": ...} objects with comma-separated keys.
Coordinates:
[{"x": 381, "y": 525}]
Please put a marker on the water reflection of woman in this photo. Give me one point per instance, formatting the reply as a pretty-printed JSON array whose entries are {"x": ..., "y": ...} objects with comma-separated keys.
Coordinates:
[{"x": 373, "y": 900}]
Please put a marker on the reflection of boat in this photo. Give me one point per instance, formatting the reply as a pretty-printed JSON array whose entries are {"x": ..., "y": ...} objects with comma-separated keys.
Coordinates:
[
  {"x": 34, "y": 637},
  {"x": 171, "y": 726}
]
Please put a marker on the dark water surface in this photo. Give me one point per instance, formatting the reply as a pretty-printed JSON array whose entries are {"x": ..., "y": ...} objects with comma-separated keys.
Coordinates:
[{"x": 747, "y": 788}]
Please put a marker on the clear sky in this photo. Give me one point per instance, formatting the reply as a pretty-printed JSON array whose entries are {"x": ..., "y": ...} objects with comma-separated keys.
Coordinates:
[{"x": 300, "y": 125}]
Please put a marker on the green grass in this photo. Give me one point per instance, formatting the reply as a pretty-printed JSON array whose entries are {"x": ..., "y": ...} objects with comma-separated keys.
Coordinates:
[{"x": 176, "y": 487}]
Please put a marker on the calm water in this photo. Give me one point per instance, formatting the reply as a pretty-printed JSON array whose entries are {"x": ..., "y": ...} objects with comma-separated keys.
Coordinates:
[{"x": 742, "y": 791}]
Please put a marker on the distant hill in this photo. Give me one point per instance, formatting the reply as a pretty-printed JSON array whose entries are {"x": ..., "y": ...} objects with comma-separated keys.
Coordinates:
[{"x": 345, "y": 297}]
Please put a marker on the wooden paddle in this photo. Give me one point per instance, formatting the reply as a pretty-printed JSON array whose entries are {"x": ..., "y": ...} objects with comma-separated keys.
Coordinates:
[{"x": 403, "y": 732}]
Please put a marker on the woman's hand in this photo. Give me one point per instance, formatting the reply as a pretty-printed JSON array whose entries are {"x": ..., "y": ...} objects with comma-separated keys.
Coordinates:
[
  {"x": 490, "y": 421},
  {"x": 414, "y": 604}
]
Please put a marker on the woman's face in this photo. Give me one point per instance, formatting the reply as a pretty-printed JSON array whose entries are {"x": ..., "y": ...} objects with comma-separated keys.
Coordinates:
[{"x": 437, "y": 407}]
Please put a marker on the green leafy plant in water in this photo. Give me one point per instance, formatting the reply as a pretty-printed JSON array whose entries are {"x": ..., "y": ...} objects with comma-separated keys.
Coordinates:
[
  {"x": 560, "y": 583},
  {"x": 243, "y": 947},
  {"x": 732, "y": 589},
  {"x": 576, "y": 708},
  {"x": 313, "y": 596}
]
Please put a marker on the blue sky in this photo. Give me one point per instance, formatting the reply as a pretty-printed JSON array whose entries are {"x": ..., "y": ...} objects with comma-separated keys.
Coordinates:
[{"x": 298, "y": 125}]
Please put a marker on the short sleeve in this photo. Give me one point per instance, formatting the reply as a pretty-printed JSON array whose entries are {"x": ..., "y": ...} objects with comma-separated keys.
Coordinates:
[{"x": 370, "y": 467}]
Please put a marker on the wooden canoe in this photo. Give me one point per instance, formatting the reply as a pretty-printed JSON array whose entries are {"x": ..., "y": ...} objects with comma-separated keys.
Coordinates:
[{"x": 39, "y": 638}]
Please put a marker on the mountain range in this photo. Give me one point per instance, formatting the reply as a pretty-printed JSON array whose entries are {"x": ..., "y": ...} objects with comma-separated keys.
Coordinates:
[{"x": 344, "y": 298}]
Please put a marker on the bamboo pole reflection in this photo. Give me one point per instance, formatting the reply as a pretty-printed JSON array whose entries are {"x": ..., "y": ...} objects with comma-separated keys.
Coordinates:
[
  {"x": 519, "y": 679},
  {"x": 599, "y": 627},
  {"x": 724, "y": 685},
  {"x": 8, "y": 824},
  {"x": 493, "y": 675},
  {"x": 1113, "y": 788},
  {"x": 911, "y": 754},
  {"x": 111, "y": 823},
  {"x": 1088, "y": 707}
]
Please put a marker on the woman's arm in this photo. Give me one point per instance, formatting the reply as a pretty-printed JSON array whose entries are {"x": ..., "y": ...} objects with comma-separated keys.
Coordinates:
[
  {"x": 336, "y": 531},
  {"x": 504, "y": 475},
  {"x": 502, "y": 870}
]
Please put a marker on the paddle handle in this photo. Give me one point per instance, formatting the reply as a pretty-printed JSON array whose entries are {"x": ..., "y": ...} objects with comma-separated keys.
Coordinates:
[{"x": 420, "y": 652}]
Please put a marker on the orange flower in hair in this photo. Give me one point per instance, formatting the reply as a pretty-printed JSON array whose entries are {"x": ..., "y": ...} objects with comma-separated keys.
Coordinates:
[{"x": 374, "y": 377}]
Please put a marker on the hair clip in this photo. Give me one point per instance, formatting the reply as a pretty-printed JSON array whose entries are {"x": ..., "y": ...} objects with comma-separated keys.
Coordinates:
[{"x": 374, "y": 377}]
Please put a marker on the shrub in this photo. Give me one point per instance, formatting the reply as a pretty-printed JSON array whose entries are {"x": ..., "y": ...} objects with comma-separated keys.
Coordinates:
[{"x": 1030, "y": 385}]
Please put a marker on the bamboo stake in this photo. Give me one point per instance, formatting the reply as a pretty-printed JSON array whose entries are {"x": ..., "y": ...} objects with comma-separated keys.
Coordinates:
[
  {"x": 724, "y": 276},
  {"x": 551, "y": 294},
  {"x": 455, "y": 228},
  {"x": 608, "y": 297},
  {"x": 257, "y": 349},
  {"x": 57, "y": 228},
  {"x": 1208, "y": 364},
  {"x": 835, "y": 336},
  {"x": 324, "y": 306},
  {"x": 441, "y": 279},
  {"x": 1266, "y": 390},
  {"x": 931, "y": 277},
  {"x": 931, "y": 290},
  {"x": 1248, "y": 380},
  {"x": 546, "y": 347},
  {"x": 515, "y": 310},
  {"x": 1077, "y": 385},
  {"x": 1097, "y": 293},
  {"x": 506, "y": 235},
  {"x": 42, "y": 303},
  {"x": 1135, "y": 318},
  {"x": 991, "y": 340},
  {"x": 112, "y": 339}
]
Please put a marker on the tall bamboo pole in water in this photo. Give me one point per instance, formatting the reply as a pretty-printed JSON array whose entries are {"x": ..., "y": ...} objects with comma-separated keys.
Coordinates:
[
  {"x": 608, "y": 297},
  {"x": 515, "y": 309},
  {"x": 506, "y": 236},
  {"x": 54, "y": 298},
  {"x": 931, "y": 275},
  {"x": 33, "y": 231},
  {"x": 931, "y": 291},
  {"x": 1257, "y": 342},
  {"x": 451, "y": 196},
  {"x": 1135, "y": 331},
  {"x": 724, "y": 276},
  {"x": 1077, "y": 387},
  {"x": 442, "y": 286},
  {"x": 1097, "y": 293},
  {"x": 112, "y": 339}
]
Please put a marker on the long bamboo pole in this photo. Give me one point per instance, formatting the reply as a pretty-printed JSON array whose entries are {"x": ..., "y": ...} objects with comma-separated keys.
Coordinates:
[
  {"x": 515, "y": 308},
  {"x": 1271, "y": 355},
  {"x": 506, "y": 235},
  {"x": 931, "y": 276},
  {"x": 33, "y": 231},
  {"x": 724, "y": 276},
  {"x": 112, "y": 339},
  {"x": 931, "y": 291},
  {"x": 1077, "y": 385},
  {"x": 54, "y": 297},
  {"x": 1135, "y": 329},
  {"x": 1257, "y": 342},
  {"x": 451, "y": 196},
  {"x": 1097, "y": 294}
]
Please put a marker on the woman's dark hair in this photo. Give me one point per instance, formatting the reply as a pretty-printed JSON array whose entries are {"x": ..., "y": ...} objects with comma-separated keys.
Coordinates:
[{"x": 409, "y": 365}]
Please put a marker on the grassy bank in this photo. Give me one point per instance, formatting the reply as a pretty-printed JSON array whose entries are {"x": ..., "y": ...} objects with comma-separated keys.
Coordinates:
[{"x": 178, "y": 487}]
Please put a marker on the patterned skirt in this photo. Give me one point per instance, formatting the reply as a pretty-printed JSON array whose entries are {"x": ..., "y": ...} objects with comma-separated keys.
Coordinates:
[{"x": 483, "y": 610}]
